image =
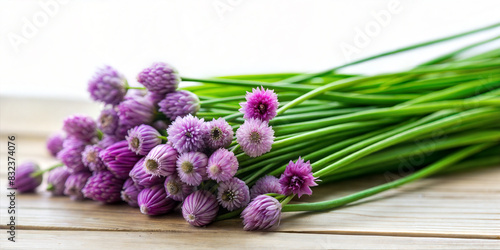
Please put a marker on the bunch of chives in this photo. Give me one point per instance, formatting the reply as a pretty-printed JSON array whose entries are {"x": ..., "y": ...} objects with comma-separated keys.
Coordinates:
[{"x": 158, "y": 146}]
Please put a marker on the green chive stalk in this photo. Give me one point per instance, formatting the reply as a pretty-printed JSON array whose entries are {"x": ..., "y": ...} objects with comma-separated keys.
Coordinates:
[{"x": 432, "y": 169}]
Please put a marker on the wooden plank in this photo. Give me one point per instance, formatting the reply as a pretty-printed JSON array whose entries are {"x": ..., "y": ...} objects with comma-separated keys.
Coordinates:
[
  {"x": 26, "y": 146},
  {"x": 221, "y": 240},
  {"x": 460, "y": 206},
  {"x": 20, "y": 113}
]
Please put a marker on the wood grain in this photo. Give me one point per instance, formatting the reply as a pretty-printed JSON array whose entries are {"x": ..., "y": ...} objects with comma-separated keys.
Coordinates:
[{"x": 430, "y": 208}]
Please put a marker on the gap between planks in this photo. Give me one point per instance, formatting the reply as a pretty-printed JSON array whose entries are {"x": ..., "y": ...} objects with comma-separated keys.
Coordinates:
[
  {"x": 210, "y": 239},
  {"x": 231, "y": 231}
]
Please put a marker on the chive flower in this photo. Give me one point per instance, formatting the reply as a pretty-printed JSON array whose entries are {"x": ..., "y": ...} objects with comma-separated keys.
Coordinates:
[
  {"x": 141, "y": 139},
  {"x": 71, "y": 154},
  {"x": 233, "y": 194},
  {"x": 176, "y": 189},
  {"x": 80, "y": 126},
  {"x": 104, "y": 187},
  {"x": 297, "y": 178},
  {"x": 108, "y": 121},
  {"x": 134, "y": 111},
  {"x": 192, "y": 167},
  {"x": 91, "y": 158},
  {"x": 130, "y": 192},
  {"x": 142, "y": 178},
  {"x": 263, "y": 213},
  {"x": 107, "y": 86},
  {"x": 222, "y": 165},
  {"x": 160, "y": 78},
  {"x": 155, "y": 97},
  {"x": 161, "y": 125},
  {"x": 187, "y": 134},
  {"x": 56, "y": 180},
  {"x": 255, "y": 137},
  {"x": 161, "y": 160},
  {"x": 260, "y": 104},
  {"x": 74, "y": 185},
  {"x": 107, "y": 140},
  {"x": 219, "y": 134},
  {"x": 266, "y": 185},
  {"x": 154, "y": 201},
  {"x": 119, "y": 159},
  {"x": 200, "y": 208},
  {"x": 179, "y": 104},
  {"x": 24, "y": 181},
  {"x": 55, "y": 143}
]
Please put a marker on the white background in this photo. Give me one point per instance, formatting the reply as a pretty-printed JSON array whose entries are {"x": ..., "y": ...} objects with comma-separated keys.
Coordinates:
[{"x": 214, "y": 37}]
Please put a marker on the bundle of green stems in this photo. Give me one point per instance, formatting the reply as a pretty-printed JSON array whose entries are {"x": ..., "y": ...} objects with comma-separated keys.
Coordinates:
[{"x": 446, "y": 111}]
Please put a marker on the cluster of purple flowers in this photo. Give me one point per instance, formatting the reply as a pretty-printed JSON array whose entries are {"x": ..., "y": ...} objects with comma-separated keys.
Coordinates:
[
  {"x": 120, "y": 154},
  {"x": 128, "y": 109},
  {"x": 255, "y": 136},
  {"x": 264, "y": 212},
  {"x": 156, "y": 177},
  {"x": 123, "y": 156},
  {"x": 203, "y": 163}
]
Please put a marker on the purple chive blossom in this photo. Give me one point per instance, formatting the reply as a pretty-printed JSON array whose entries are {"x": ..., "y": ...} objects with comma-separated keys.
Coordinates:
[
  {"x": 104, "y": 187},
  {"x": 130, "y": 192},
  {"x": 143, "y": 179},
  {"x": 25, "y": 182},
  {"x": 160, "y": 78},
  {"x": 74, "y": 185},
  {"x": 71, "y": 155},
  {"x": 263, "y": 213},
  {"x": 176, "y": 189},
  {"x": 108, "y": 140},
  {"x": 266, "y": 185},
  {"x": 56, "y": 180},
  {"x": 179, "y": 104},
  {"x": 119, "y": 159},
  {"x": 154, "y": 201},
  {"x": 108, "y": 120},
  {"x": 122, "y": 131},
  {"x": 161, "y": 125},
  {"x": 142, "y": 139},
  {"x": 55, "y": 143},
  {"x": 222, "y": 165},
  {"x": 161, "y": 160},
  {"x": 255, "y": 137},
  {"x": 80, "y": 126},
  {"x": 155, "y": 97},
  {"x": 233, "y": 194},
  {"x": 200, "y": 208},
  {"x": 219, "y": 134},
  {"x": 297, "y": 178},
  {"x": 187, "y": 134},
  {"x": 107, "y": 86},
  {"x": 91, "y": 158},
  {"x": 133, "y": 112},
  {"x": 261, "y": 104},
  {"x": 192, "y": 167}
]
